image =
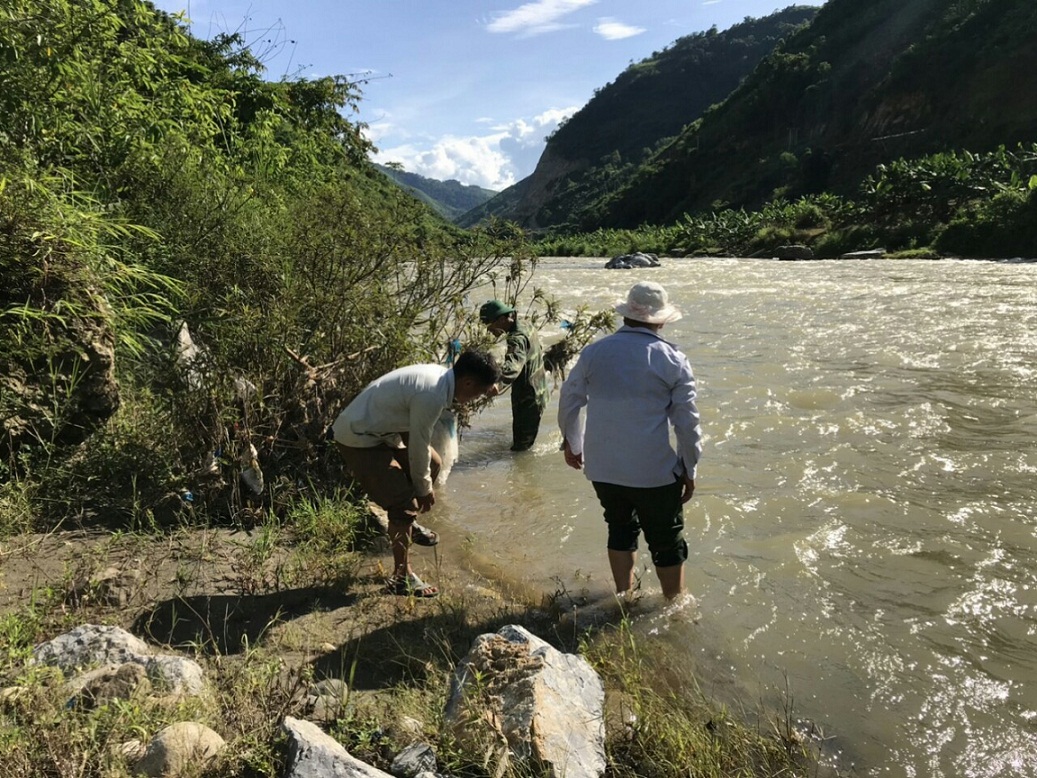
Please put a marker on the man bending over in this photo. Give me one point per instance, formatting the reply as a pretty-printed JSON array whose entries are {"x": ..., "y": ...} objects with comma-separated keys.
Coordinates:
[{"x": 384, "y": 437}]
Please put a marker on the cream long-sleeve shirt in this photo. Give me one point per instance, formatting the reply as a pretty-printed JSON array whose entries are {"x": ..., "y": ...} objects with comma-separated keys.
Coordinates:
[
  {"x": 407, "y": 400},
  {"x": 635, "y": 386}
]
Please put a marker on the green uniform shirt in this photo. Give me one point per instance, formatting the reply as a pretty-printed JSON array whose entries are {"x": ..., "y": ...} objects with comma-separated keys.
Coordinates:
[{"x": 523, "y": 368}]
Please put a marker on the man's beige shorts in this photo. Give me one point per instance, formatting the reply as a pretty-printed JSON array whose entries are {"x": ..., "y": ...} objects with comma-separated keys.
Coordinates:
[{"x": 384, "y": 475}]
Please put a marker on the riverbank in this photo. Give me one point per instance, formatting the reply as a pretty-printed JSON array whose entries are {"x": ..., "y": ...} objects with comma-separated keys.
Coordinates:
[{"x": 262, "y": 612}]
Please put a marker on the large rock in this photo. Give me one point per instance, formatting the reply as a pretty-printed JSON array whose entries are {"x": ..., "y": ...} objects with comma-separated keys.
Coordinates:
[
  {"x": 184, "y": 748},
  {"x": 90, "y": 645},
  {"x": 314, "y": 754},
  {"x": 547, "y": 706},
  {"x": 108, "y": 683},
  {"x": 794, "y": 251},
  {"x": 628, "y": 261},
  {"x": 416, "y": 759}
]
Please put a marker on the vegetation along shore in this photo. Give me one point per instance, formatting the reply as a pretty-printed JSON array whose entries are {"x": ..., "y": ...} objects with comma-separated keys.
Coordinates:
[{"x": 202, "y": 267}]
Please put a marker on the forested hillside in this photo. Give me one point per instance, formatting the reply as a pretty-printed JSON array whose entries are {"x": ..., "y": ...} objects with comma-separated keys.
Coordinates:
[
  {"x": 450, "y": 199},
  {"x": 626, "y": 120},
  {"x": 864, "y": 84}
]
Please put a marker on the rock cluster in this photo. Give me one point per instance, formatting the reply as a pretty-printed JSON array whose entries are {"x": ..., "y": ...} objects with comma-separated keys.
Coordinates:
[
  {"x": 629, "y": 261},
  {"x": 93, "y": 646},
  {"x": 539, "y": 707}
]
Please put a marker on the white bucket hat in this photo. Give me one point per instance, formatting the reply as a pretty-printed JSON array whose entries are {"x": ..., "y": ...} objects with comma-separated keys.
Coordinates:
[{"x": 647, "y": 302}]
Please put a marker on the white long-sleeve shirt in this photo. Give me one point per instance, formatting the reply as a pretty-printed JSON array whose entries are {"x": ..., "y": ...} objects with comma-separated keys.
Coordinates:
[
  {"x": 635, "y": 386},
  {"x": 406, "y": 400}
]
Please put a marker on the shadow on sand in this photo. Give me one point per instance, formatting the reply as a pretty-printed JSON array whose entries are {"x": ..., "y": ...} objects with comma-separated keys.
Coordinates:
[{"x": 226, "y": 624}]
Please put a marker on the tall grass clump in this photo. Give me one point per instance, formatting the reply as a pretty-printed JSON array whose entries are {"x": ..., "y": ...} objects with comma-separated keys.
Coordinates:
[{"x": 660, "y": 724}]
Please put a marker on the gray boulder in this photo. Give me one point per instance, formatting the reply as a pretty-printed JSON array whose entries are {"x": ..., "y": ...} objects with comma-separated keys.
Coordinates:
[
  {"x": 92, "y": 645},
  {"x": 314, "y": 754},
  {"x": 184, "y": 747},
  {"x": 415, "y": 759},
  {"x": 794, "y": 251},
  {"x": 628, "y": 261},
  {"x": 546, "y": 707}
]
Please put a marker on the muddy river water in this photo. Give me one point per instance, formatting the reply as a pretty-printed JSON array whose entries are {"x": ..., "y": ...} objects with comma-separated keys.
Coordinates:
[{"x": 864, "y": 529}]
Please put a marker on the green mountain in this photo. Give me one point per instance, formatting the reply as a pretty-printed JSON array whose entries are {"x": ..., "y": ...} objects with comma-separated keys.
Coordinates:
[
  {"x": 450, "y": 199},
  {"x": 864, "y": 84},
  {"x": 601, "y": 145}
]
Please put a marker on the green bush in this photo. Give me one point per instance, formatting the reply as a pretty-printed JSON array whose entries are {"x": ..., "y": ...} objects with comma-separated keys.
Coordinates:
[
  {"x": 841, "y": 241},
  {"x": 150, "y": 180},
  {"x": 1004, "y": 226}
]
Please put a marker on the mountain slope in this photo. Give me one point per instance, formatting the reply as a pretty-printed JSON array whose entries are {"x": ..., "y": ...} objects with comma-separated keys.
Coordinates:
[
  {"x": 862, "y": 85},
  {"x": 625, "y": 120},
  {"x": 449, "y": 199}
]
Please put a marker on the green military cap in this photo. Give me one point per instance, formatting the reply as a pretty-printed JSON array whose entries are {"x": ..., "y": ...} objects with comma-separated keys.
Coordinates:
[{"x": 493, "y": 310}]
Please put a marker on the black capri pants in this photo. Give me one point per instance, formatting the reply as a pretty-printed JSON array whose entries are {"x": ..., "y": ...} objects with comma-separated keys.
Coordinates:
[{"x": 657, "y": 511}]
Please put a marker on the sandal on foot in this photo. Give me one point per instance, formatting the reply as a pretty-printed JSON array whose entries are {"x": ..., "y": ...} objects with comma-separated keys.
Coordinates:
[
  {"x": 423, "y": 536},
  {"x": 411, "y": 586}
]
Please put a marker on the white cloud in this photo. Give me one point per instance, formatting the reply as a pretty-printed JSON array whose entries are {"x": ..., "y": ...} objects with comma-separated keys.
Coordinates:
[
  {"x": 553, "y": 116},
  {"x": 376, "y": 131},
  {"x": 537, "y": 17},
  {"x": 506, "y": 154},
  {"x": 612, "y": 30},
  {"x": 473, "y": 160}
]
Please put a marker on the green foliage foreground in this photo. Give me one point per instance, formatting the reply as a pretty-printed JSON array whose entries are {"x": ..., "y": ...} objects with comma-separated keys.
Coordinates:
[{"x": 154, "y": 186}]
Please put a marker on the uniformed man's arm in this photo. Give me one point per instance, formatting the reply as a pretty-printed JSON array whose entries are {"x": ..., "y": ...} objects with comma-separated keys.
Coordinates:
[{"x": 514, "y": 359}]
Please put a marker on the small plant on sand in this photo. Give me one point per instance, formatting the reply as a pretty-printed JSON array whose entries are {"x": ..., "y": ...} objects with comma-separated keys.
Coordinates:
[
  {"x": 16, "y": 506},
  {"x": 327, "y": 532}
]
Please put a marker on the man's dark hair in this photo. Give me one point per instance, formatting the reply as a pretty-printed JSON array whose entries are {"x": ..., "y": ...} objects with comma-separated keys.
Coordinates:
[{"x": 478, "y": 364}]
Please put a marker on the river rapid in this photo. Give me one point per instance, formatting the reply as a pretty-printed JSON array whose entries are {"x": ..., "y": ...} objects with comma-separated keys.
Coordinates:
[{"x": 863, "y": 530}]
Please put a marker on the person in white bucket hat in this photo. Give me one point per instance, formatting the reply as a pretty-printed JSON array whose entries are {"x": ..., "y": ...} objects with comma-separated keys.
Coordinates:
[
  {"x": 648, "y": 303},
  {"x": 635, "y": 387}
]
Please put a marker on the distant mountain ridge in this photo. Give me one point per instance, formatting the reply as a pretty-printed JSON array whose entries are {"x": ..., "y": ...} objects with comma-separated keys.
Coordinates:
[
  {"x": 450, "y": 199},
  {"x": 863, "y": 84},
  {"x": 651, "y": 101}
]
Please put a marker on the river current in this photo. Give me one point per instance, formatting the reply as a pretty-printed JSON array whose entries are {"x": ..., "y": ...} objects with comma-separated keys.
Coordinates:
[{"x": 862, "y": 539}]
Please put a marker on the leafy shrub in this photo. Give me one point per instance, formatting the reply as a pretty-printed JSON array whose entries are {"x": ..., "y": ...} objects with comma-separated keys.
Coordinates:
[
  {"x": 246, "y": 210},
  {"x": 1005, "y": 226},
  {"x": 842, "y": 241}
]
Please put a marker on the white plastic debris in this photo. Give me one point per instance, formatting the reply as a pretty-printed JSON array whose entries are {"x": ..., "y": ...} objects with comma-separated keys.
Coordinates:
[
  {"x": 187, "y": 357},
  {"x": 444, "y": 441},
  {"x": 251, "y": 473}
]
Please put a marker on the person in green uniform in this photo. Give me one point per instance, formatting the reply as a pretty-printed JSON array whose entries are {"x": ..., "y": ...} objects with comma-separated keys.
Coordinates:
[{"x": 523, "y": 370}]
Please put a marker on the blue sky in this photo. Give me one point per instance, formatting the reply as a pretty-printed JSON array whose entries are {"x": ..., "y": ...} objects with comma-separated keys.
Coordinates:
[{"x": 460, "y": 89}]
